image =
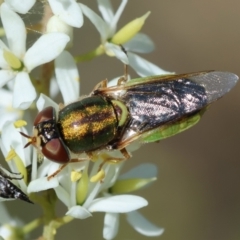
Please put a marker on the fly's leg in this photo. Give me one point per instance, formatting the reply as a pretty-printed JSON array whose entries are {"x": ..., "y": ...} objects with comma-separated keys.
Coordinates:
[
  {"x": 124, "y": 78},
  {"x": 125, "y": 153},
  {"x": 109, "y": 159},
  {"x": 74, "y": 160},
  {"x": 102, "y": 84},
  {"x": 106, "y": 159},
  {"x": 57, "y": 172}
]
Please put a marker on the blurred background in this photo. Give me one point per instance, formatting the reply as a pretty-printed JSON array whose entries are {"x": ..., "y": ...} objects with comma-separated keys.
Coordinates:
[{"x": 197, "y": 194}]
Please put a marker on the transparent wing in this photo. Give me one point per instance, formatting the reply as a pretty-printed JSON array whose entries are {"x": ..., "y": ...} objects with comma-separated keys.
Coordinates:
[{"x": 168, "y": 104}]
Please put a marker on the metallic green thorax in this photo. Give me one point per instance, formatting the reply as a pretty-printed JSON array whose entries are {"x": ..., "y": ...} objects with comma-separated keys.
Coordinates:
[{"x": 88, "y": 124}]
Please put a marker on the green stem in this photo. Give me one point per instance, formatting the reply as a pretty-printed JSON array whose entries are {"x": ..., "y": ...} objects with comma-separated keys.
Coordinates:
[
  {"x": 61, "y": 221},
  {"x": 51, "y": 223},
  {"x": 31, "y": 226},
  {"x": 90, "y": 55},
  {"x": 50, "y": 229}
]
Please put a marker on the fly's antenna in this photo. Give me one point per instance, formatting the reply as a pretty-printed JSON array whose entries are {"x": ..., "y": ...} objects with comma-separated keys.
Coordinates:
[{"x": 31, "y": 139}]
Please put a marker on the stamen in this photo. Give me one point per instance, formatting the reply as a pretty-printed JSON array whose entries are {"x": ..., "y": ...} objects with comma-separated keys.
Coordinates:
[
  {"x": 98, "y": 177},
  {"x": 12, "y": 60},
  {"x": 11, "y": 154},
  {"x": 75, "y": 176},
  {"x": 20, "y": 123}
]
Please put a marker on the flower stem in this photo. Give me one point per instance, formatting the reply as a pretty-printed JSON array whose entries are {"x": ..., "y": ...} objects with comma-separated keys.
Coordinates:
[
  {"x": 47, "y": 68},
  {"x": 47, "y": 13},
  {"x": 32, "y": 225},
  {"x": 50, "y": 230},
  {"x": 61, "y": 221},
  {"x": 90, "y": 55}
]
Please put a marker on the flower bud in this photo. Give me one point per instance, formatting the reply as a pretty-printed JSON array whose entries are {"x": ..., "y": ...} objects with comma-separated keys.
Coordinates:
[
  {"x": 129, "y": 30},
  {"x": 130, "y": 185}
]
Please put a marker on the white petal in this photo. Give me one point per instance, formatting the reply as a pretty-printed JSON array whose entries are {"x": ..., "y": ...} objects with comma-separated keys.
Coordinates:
[
  {"x": 79, "y": 212},
  {"x": 111, "y": 225},
  {"x": 63, "y": 195},
  {"x": 12, "y": 138},
  {"x": 42, "y": 184},
  {"x": 22, "y": 6},
  {"x": 115, "y": 50},
  {"x": 55, "y": 24},
  {"x": 118, "y": 204},
  {"x": 117, "y": 15},
  {"x": 34, "y": 161},
  {"x": 140, "y": 43},
  {"x": 5, "y": 76},
  {"x": 143, "y": 67},
  {"x": 106, "y": 9},
  {"x": 15, "y": 30},
  {"x": 142, "y": 225},
  {"x": 7, "y": 116},
  {"x": 45, "y": 49},
  {"x": 54, "y": 89},
  {"x": 67, "y": 77},
  {"x": 23, "y": 92},
  {"x": 3, "y": 63},
  {"x": 44, "y": 101},
  {"x": 100, "y": 25},
  {"x": 146, "y": 170},
  {"x": 47, "y": 168},
  {"x": 68, "y": 11}
]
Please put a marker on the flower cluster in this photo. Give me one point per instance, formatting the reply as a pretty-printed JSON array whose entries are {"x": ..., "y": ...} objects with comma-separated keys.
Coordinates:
[{"x": 30, "y": 78}]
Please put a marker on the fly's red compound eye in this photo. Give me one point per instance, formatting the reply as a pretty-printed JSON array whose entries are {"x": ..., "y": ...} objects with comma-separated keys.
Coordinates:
[
  {"x": 56, "y": 151},
  {"x": 51, "y": 144},
  {"x": 45, "y": 115}
]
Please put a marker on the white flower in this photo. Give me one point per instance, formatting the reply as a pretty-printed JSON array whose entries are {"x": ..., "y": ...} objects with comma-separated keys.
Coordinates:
[
  {"x": 107, "y": 28},
  {"x": 22, "y": 6},
  {"x": 17, "y": 63},
  {"x": 7, "y": 113},
  {"x": 11, "y": 139},
  {"x": 137, "y": 178},
  {"x": 68, "y": 11},
  {"x": 68, "y": 192}
]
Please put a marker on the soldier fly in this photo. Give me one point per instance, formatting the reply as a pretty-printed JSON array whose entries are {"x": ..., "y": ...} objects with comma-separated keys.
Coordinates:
[
  {"x": 145, "y": 109},
  {"x": 9, "y": 190}
]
